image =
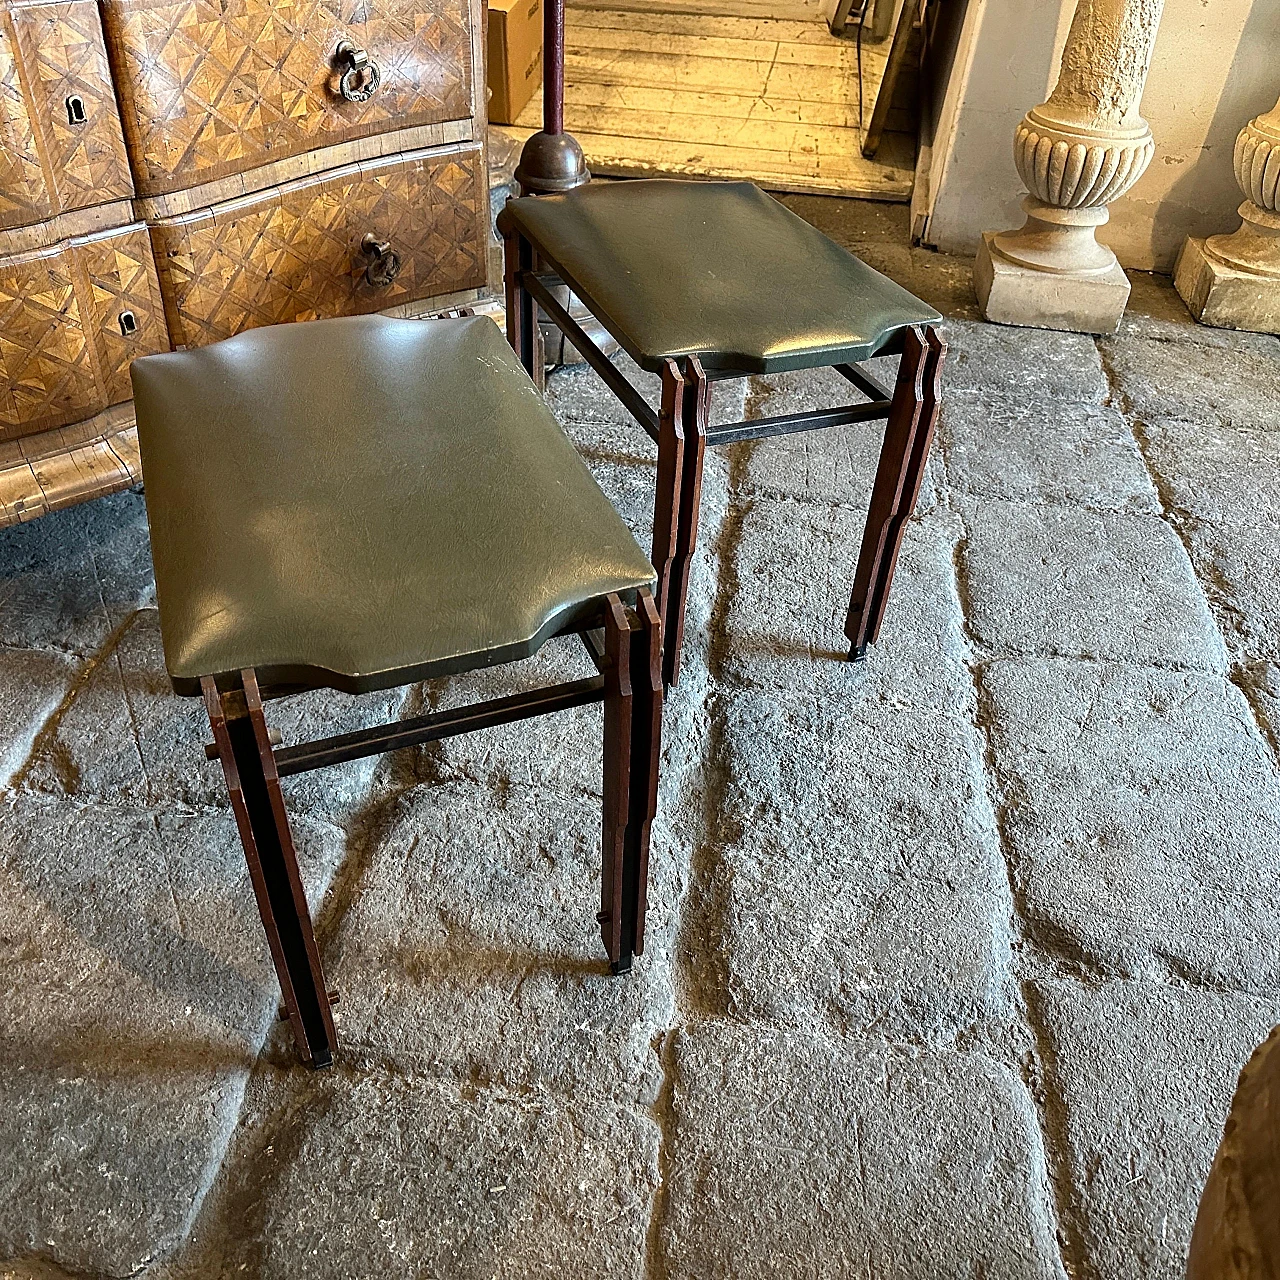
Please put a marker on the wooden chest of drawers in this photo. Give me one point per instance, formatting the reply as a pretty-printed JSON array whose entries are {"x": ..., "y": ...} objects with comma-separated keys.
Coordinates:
[
  {"x": 61, "y": 146},
  {"x": 175, "y": 171},
  {"x": 73, "y": 316},
  {"x": 211, "y": 88},
  {"x": 315, "y": 246}
]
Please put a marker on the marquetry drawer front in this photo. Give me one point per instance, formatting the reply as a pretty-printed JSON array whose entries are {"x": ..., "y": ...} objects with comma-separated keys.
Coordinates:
[
  {"x": 214, "y": 87},
  {"x": 72, "y": 317},
  {"x": 24, "y": 193},
  {"x": 61, "y": 146},
  {"x": 357, "y": 239}
]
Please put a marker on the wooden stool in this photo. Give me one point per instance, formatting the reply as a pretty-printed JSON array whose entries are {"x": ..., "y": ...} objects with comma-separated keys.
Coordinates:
[
  {"x": 702, "y": 281},
  {"x": 363, "y": 503}
]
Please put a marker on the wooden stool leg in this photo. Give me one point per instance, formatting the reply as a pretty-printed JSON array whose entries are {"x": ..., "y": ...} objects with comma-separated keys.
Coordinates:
[
  {"x": 697, "y": 414},
  {"x": 908, "y": 436},
  {"x": 632, "y": 744},
  {"x": 666, "y": 498},
  {"x": 248, "y": 761},
  {"x": 523, "y": 331}
]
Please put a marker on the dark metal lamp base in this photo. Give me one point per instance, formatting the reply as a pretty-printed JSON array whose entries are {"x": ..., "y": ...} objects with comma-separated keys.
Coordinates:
[{"x": 551, "y": 162}]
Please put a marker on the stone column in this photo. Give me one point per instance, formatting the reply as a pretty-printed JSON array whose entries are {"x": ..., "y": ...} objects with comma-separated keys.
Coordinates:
[
  {"x": 1234, "y": 281},
  {"x": 1077, "y": 153}
]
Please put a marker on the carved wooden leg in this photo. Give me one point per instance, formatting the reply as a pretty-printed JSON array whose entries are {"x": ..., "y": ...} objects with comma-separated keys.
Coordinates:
[
  {"x": 697, "y": 414},
  {"x": 666, "y": 498},
  {"x": 632, "y": 743},
  {"x": 523, "y": 332},
  {"x": 908, "y": 435},
  {"x": 248, "y": 761}
]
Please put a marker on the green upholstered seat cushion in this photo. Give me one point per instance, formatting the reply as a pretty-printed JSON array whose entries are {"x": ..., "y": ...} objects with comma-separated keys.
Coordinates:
[
  {"x": 717, "y": 270},
  {"x": 364, "y": 502}
]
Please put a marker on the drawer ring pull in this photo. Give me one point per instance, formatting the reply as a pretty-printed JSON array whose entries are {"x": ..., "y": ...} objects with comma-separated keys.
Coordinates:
[
  {"x": 361, "y": 77},
  {"x": 384, "y": 261}
]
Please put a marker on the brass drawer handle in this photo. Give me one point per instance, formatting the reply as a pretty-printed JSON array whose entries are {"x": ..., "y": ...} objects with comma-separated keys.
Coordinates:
[
  {"x": 384, "y": 261},
  {"x": 361, "y": 77}
]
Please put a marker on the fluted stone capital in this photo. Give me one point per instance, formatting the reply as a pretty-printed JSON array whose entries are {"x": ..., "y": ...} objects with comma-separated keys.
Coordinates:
[
  {"x": 1077, "y": 152},
  {"x": 1257, "y": 160},
  {"x": 1256, "y": 246},
  {"x": 1233, "y": 281},
  {"x": 1074, "y": 167}
]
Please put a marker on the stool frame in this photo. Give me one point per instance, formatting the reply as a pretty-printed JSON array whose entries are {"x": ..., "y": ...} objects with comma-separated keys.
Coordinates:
[
  {"x": 682, "y": 431},
  {"x": 625, "y": 644}
]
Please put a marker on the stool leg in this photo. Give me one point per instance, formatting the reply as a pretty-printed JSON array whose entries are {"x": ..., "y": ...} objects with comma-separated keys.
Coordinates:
[
  {"x": 908, "y": 436},
  {"x": 248, "y": 761},
  {"x": 666, "y": 498},
  {"x": 697, "y": 414},
  {"x": 632, "y": 744},
  {"x": 523, "y": 332}
]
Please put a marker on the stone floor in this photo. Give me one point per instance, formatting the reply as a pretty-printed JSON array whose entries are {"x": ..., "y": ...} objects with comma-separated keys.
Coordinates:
[{"x": 954, "y": 956}]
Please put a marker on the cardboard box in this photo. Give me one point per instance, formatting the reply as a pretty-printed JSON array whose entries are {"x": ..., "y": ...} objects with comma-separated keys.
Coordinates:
[{"x": 515, "y": 56}]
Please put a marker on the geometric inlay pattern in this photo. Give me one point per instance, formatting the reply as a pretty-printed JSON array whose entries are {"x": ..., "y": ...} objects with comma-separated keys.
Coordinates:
[
  {"x": 213, "y": 87},
  {"x": 119, "y": 274},
  {"x": 50, "y": 53},
  {"x": 293, "y": 253},
  {"x": 47, "y": 367},
  {"x": 24, "y": 193},
  {"x": 63, "y": 354},
  {"x": 61, "y": 55}
]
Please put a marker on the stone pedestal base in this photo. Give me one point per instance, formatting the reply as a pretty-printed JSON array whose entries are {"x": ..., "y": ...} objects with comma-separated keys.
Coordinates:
[
  {"x": 1218, "y": 295},
  {"x": 1010, "y": 294}
]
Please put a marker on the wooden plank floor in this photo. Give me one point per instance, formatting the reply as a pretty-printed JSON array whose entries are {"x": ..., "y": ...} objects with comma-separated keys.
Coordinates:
[
  {"x": 698, "y": 94},
  {"x": 797, "y": 10}
]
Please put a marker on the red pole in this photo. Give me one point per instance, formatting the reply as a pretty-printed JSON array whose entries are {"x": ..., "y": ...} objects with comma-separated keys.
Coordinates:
[
  {"x": 553, "y": 67},
  {"x": 551, "y": 160}
]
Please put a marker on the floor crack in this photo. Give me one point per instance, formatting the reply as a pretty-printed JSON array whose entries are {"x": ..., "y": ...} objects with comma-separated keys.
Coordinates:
[
  {"x": 1238, "y": 672},
  {"x": 46, "y": 735},
  {"x": 1057, "y": 1194}
]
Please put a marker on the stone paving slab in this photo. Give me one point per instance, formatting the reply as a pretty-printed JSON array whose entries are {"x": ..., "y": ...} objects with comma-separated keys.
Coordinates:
[
  {"x": 1028, "y": 366},
  {"x": 578, "y": 396},
  {"x": 796, "y": 1155},
  {"x": 846, "y": 888},
  {"x": 73, "y": 576},
  {"x": 1222, "y": 484},
  {"x": 1238, "y": 569},
  {"x": 472, "y": 948},
  {"x": 1162, "y": 381},
  {"x": 33, "y": 683},
  {"x": 1090, "y": 584},
  {"x": 115, "y": 1160},
  {"x": 835, "y": 465},
  {"x": 1262, "y": 681},
  {"x": 1142, "y": 813},
  {"x": 791, "y": 576},
  {"x": 1045, "y": 452},
  {"x": 1138, "y": 1082},
  {"x": 128, "y": 738},
  {"x": 1217, "y": 474},
  {"x": 1156, "y": 311},
  {"x": 137, "y": 993},
  {"x": 944, "y": 283},
  {"x": 853, "y": 889},
  {"x": 375, "y": 1174},
  {"x": 132, "y": 919}
]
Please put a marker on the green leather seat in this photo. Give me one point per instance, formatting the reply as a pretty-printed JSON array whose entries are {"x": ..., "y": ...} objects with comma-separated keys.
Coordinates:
[
  {"x": 717, "y": 270},
  {"x": 364, "y": 502}
]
